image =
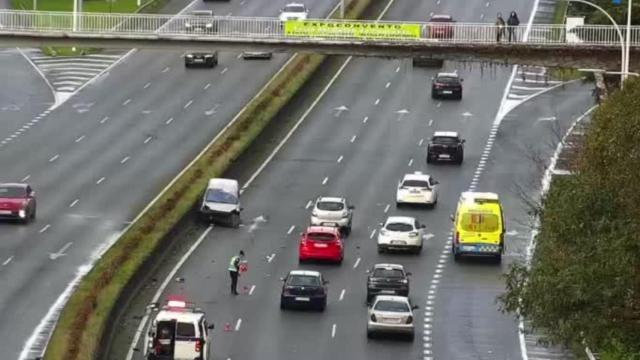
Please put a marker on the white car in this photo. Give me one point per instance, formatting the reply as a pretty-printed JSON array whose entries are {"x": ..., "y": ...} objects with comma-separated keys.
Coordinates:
[
  {"x": 294, "y": 11},
  {"x": 178, "y": 331},
  {"x": 221, "y": 202},
  {"x": 333, "y": 211},
  {"x": 391, "y": 314},
  {"x": 401, "y": 233},
  {"x": 417, "y": 188}
]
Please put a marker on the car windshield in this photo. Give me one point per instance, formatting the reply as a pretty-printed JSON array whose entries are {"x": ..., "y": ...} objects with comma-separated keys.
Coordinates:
[
  {"x": 399, "y": 227},
  {"x": 185, "y": 330},
  {"x": 13, "y": 192},
  {"x": 294, "y": 8},
  {"x": 388, "y": 273},
  {"x": 447, "y": 79},
  {"x": 320, "y": 236},
  {"x": 330, "y": 206},
  {"x": 416, "y": 183},
  {"x": 303, "y": 280},
  {"x": 480, "y": 222},
  {"x": 220, "y": 196},
  {"x": 448, "y": 140},
  {"x": 393, "y": 306}
]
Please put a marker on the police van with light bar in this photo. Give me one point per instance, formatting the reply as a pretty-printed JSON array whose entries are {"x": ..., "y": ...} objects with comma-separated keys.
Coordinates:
[{"x": 179, "y": 331}]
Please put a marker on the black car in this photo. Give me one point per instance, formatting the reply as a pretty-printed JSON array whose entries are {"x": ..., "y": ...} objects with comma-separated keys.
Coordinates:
[
  {"x": 446, "y": 85},
  {"x": 387, "y": 279},
  {"x": 208, "y": 59},
  {"x": 303, "y": 288},
  {"x": 445, "y": 145}
]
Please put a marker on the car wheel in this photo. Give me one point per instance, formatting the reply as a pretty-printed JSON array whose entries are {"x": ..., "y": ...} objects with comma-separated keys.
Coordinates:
[
  {"x": 433, "y": 95},
  {"x": 411, "y": 337},
  {"x": 459, "y": 96},
  {"x": 398, "y": 205},
  {"x": 370, "y": 334},
  {"x": 282, "y": 305},
  {"x": 235, "y": 220},
  {"x": 456, "y": 256},
  {"x": 380, "y": 249},
  {"x": 322, "y": 306},
  {"x": 418, "y": 250},
  {"x": 347, "y": 230},
  {"x": 33, "y": 213},
  {"x": 187, "y": 65}
]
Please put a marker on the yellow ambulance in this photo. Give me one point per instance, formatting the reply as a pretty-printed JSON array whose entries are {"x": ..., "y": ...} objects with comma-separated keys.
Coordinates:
[{"x": 478, "y": 226}]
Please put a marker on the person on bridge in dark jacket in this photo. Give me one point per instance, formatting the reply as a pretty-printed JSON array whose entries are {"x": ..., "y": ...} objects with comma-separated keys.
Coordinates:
[
  {"x": 513, "y": 23},
  {"x": 234, "y": 271},
  {"x": 500, "y": 25}
]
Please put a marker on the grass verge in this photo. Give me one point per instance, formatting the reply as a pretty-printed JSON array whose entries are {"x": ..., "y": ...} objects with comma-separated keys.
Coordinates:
[
  {"x": 563, "y": 74},
  {"x": 85, "y": 317}
]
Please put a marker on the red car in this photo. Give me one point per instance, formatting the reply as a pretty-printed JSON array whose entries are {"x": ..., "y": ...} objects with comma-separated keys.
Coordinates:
[
  {"x": 17, "y": 202},
  {"x": 321, "y": 243},
  {"x": 441, "y": 27}
]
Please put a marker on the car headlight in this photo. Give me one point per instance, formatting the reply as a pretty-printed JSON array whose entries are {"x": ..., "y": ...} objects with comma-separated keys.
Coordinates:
[
  {"x": 189, "y": 56},
  {"x": 22, "y": 213}
]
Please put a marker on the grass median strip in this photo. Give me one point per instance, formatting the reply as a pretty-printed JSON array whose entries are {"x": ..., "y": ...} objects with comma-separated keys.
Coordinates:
[{"x": 85, "y": 317}]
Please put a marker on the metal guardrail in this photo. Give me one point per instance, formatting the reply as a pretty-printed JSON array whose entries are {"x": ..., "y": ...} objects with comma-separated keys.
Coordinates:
[{"x": 227, "y": 27}]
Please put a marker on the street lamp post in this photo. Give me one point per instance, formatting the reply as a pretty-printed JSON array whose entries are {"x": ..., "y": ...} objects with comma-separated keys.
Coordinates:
[
  {"x": 623, "y": 47},
  {"x": 627, "y": 50}
]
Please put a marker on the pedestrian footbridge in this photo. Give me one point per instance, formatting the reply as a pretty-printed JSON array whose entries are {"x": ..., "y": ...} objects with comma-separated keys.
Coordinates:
[{"x": 593, "y": 46}]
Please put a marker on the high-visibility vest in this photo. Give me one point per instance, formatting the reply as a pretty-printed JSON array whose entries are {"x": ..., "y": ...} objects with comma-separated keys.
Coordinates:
[{"x": 232, "y": 263}]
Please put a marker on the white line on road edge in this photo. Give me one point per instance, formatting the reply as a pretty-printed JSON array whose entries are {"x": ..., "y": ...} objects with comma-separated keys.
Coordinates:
[
  {"x": 333, "y": 331},
  {"x": 251, "y": 179},
  {"x": 238, "y": 323},
  {"x": 163, "y": 286},
  {"x": 546, "y": 183},
  {"x": 357, "y": 263}
]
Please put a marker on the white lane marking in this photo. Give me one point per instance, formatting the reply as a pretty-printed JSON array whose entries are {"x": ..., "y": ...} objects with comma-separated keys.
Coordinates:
[
  {"x": 253, "y": 287},
  {"x": 165, "y": 69},
  {"x": 124, "y": 160},
  {"x": 61, "y": 252},
  {"x": 386, "y": 208},
  {"x": 169, "y": 120},
  {"x": 308, "y": 204},
  {"x": 147, "y": 139},
  {"x": 372, "y": 234},
  {"x": 45, "y": 228},
  {"x": 6, "y": 262},
  {"x": 188, "y": 104},
  {"x": 147, "y": 85},
  {"x": 238, "y": 323},
  {"x": 398, "y": 69},
  {"x": 357, "y": 263},
  {"x": 333, "y": 331},
  {"x": 324, "y": 182},
  {"x": 207, "y": 86},
  {"x": 74, "y": 203},
  {"x": 54, "y": 158},
  {"x": 366, "y": 118},
  {"x": 342, "y": 294},
  {"x": 80, "y": 138},
  {"x": 420, "y": 142},
  {"x": 340, "y": 159},
  {"x": 104, "y": 119},
  {"x": 430, "y": 122},
  {"x": 291, "y": 229},
  {"x": 387, "y": 85},
  {"x": 100, "y": 180},
  {"x": 224, "y": 71},
  {"x": 439, "y": 104},
  {"x": 239, "y": 56},
  {"x": 377, "y": 101},
  {"x": 410, "y": 162},
  {"x": 163, "y": 286},
  {"x": 25, "y": 178},
  {"x": 126, "y": 102},
  {"x": 270, "y": 257},
  {"x": 353, "y": 138}
]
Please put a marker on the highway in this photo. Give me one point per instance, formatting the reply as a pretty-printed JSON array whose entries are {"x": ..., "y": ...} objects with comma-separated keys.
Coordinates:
[
  {"x": 96, "y": 161},
  {"x": 361, "y": 153}
]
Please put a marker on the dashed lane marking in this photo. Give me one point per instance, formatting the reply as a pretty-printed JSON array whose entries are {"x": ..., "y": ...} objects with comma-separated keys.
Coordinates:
[
  {"x": 366, "y": 118},
  {"x": 6, "y": 262},
  {"x": 100, "y": 180},
  {"x": 147, "y": 139},
  {"x": 356, "y": 263},
  {"x": 377, "y": 101},
  {"x": 291, "y": 229},
  {"x": 238, "y": 324},
  {"x": 147, "y": 85},
  {"x": 126, "y": 102},
  {"x": 80, "y": 138},
  {"x": 324, "y": 182},
  {"x": 342, "y": 294},
  {"x": 124, "y": 160},
  {"x": 104, "y": 120},
  {"x": 333, "y": 331},
  {"x": 340, "y": 159},
  {"x": 253, "y": 287},
  {"x": 73, "y": 203},
  {"x": 45, "y": 228}
]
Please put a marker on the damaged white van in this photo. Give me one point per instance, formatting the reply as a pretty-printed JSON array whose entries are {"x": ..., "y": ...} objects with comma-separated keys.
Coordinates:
[{"x": 221, "y": 202}]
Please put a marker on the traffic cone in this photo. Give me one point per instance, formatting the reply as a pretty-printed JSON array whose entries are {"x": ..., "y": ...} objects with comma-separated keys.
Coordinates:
[{"x": 227, "y": 327}]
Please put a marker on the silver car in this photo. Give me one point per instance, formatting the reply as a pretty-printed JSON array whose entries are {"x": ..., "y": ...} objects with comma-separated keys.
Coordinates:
[
  {"x": 333, "y": 211},
  {"x": 391, "y": 315}
]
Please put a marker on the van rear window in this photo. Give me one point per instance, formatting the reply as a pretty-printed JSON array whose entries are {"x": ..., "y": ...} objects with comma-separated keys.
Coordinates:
[
  {"x": 480, "y": 222},
  {"x": 185, "y": 330}
]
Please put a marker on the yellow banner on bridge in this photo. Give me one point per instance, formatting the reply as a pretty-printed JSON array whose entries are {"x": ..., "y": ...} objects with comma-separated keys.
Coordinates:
[{"x": 351, "y": 29}]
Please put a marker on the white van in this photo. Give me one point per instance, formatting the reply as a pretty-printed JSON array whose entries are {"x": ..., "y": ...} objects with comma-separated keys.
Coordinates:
[
  {"x": 221, "y": 202},
  {"x": 178, "y": 332}
]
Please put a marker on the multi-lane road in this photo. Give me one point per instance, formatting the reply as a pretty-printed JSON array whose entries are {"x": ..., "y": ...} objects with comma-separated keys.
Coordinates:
[
  {"x": 361, "y": 153},
  {"x": 98, "y": 159}
]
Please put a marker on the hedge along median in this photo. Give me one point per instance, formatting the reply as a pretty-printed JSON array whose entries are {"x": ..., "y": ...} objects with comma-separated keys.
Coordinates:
[{"x": 85, "y": 317}]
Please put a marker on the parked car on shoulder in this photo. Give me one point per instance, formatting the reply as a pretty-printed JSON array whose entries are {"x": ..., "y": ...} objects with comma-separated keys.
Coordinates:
[
  {"x": 261, "y": 55},
  {"x": 304, "y": 288},
  {"x": 445, "y": 146},
  {"x": 221, "y": 202},
  {"x": 17, "y": 202}
]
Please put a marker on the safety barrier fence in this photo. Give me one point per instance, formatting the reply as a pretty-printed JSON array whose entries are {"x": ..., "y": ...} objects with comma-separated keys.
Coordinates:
[{"x": 314, "y": 30}]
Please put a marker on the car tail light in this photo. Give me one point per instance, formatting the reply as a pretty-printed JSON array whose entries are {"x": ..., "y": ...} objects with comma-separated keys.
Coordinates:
[
  {"x": 438, "y": 86},
  {"x": 198, "y": 345},
  {"x": 409, "y": 319},
  {"x": 373, "y": 317},
  {"x": 457, "y": 239}
]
